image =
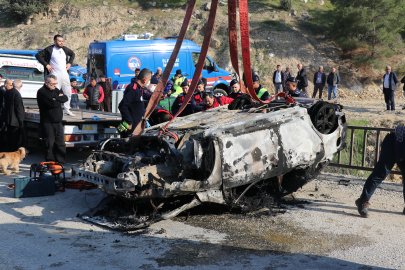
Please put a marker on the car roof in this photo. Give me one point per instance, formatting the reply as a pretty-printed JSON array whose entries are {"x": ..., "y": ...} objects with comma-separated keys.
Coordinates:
[
  {"x": 20, "y": 52},
  {"x": 148, "y": 42}
]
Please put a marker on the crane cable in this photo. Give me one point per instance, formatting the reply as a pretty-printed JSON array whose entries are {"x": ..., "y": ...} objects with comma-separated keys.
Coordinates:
[
  {"x": 157, "y": 94},
  {"x": 200, "y": 63}
]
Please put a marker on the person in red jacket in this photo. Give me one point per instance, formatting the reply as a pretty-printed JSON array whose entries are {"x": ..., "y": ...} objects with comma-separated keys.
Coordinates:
[
  {"x": 212, "y": 102},
  {"x": 94, "y": 95}
]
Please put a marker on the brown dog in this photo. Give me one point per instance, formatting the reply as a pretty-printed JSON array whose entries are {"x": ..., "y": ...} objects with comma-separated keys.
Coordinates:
[{"x": 11, "y": 159}]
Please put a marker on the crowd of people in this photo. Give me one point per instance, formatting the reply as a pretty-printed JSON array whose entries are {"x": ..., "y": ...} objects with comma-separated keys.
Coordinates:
[
  {"x": 59, "y": 94},
  {"x": 320, "y": 80}
]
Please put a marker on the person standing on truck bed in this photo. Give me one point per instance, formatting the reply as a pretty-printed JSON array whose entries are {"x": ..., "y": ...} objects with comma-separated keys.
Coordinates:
[
  {"x": 94, "y": 95},
  {"x": 107, "y": 89},
  {"x": 50, "y": 99},
  {"x": 54, "y": 58},
  {"x": 131, "y": 106},
  {"x": 14, "y": 115},
  {"x": 74, "y": 99}
]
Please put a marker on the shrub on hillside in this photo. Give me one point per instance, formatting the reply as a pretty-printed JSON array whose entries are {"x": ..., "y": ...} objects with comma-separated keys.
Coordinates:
[
  {"x": 286, "y": 4},
  {"x": 22, "y": 9}
]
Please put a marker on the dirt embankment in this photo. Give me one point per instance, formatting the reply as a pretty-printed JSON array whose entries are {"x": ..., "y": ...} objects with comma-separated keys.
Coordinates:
[{"x": 276, "y": 38}]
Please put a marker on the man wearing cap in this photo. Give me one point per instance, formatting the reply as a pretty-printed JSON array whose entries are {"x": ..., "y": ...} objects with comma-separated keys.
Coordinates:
[
  {"x": 302, "y": 79},
  {"x": 178, "y": 79},
  {"x": 260, "y": 91},
  {"x": 191, "y": 105},
  {"x": 94, "y": 95},
  {"x": 291, "y": 87},
  {"x": 131, "y": 106},
  {"x": 74, "y": 98},
  {"x": 105, "y": 105},
  {"x": 235, "y": 89},
  {"x": 212, "y": 102},
  {"x": 279, "y": 79}
]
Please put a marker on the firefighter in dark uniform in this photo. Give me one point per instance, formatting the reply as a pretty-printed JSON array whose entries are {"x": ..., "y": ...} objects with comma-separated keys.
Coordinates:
[
  {"x": 131, "y": 106},
  {"x": 235, "y": 89},
  {"x": 159, "y": 115},
  {"x": 291, "y": 87},
  {"x": 198, "y": 95},
  {"x": 191, "y": 106},
  {"x": 212, "y": 102}
]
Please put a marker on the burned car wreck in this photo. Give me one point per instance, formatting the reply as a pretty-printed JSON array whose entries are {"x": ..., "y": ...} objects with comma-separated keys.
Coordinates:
[{"x": 219, "y": 157}]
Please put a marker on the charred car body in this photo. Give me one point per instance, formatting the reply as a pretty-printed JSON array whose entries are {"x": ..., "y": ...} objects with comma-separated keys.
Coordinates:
[{"x": 220, "y": 154}]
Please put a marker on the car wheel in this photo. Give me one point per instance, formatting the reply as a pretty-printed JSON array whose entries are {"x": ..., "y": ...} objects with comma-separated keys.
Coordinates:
[
  {"x": 323, "y": 117},
  {"x": 218, "y": 92}
]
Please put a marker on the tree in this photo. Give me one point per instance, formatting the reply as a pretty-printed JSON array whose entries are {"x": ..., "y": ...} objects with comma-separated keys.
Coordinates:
[
  {"x": 374, "y": 22},
  {"x": 22, "y": 9},
  {"x": 286, "y": 4}
]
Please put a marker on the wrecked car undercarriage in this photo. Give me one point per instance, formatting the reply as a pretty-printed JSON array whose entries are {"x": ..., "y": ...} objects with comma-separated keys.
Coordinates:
[{"x": 220, "y": 155}]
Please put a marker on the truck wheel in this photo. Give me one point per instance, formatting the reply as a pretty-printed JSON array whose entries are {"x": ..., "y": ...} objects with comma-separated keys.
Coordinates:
[
  {"x": 323, "y": 117},
  {"x": 218, "y": 92}
]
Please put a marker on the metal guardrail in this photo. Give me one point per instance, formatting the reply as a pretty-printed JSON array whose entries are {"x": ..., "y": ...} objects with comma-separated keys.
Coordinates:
[{"x": 363, "y": 159}]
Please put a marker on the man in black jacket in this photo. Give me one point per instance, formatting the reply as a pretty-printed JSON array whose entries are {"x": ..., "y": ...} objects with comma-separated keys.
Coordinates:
[
  {"x": 54, "y": 59},
  {"x": 390, "y": 80},
  {"x": 131, "y": 106},
  {"x": 49, "y": 100},
  {"x": 14, "y": 115},
  {"x": 302, "y": 79},
  {"x": 107, "y": 89},
  {"x": 319, "y": 82}
]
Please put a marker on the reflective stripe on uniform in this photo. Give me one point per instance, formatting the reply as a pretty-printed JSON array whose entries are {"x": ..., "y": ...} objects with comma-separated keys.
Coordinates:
[
  {"x": 261, "y": 92},
  {"x": 167, "y": 103}
]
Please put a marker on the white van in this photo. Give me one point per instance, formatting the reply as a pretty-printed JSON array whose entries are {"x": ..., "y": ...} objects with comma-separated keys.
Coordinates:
[{"x": 18, "y": 64}]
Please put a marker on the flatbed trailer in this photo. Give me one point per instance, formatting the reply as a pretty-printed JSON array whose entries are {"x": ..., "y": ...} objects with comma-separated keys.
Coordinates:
[{"x": 84, "y": 129}]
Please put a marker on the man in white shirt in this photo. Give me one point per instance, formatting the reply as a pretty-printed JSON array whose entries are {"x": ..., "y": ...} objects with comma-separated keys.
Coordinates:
[
  {"x": 56, "y": 62},
  {"x": 279, "y": 80}
]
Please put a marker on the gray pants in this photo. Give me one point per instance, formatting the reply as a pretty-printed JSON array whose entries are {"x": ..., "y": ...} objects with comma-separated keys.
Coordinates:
[
  {"x": 278, "y": 87},
  {"x": 318, "y": 86}
]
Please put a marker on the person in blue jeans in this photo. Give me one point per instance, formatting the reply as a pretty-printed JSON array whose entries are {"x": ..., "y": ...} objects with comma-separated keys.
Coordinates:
[
  {"x": 392, "y": 152},
  {"x": 333, "y": 81}
]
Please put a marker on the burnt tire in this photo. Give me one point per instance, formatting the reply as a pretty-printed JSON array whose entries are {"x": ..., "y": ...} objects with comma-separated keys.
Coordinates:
[
  {"x": 218, "y": 92},
  {"x": 323, "y": 117}
]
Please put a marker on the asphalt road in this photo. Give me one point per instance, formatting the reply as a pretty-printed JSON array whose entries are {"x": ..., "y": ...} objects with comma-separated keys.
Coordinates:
[{"x": 322, "y": 232}]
